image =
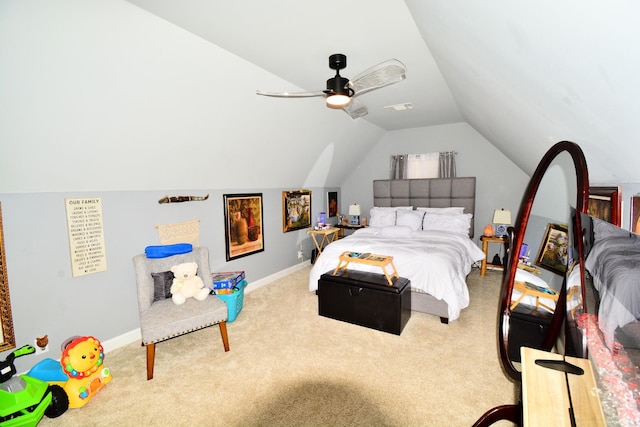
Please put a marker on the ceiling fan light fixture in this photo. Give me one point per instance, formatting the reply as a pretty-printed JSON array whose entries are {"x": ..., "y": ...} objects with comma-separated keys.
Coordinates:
[
  {"x": 338, "y": 92},
  {"x": 338, "y": 101},
  {"x": 341, "y": 93}
]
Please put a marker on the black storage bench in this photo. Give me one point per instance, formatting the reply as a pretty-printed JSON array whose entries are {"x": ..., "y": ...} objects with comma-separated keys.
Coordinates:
[
  {"x": 365, "y": 299},
  {"x": 527, "y": 328}
]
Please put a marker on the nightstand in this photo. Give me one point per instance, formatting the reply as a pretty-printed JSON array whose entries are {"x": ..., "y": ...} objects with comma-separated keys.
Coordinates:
[
  {"x": 485, "y": 248},
  {"x": 342, "y": 227}
]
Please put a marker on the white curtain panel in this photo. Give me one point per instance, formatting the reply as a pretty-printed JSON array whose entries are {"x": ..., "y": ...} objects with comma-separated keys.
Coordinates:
[
  {"x": 423, "y": 165},
  {"x": 429, "y": 165}
]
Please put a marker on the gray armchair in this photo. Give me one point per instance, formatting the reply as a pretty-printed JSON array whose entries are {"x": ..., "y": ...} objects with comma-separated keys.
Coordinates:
[{"x": 160, "y": 318}]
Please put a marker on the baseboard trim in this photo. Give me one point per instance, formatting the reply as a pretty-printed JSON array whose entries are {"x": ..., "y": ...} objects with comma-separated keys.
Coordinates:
[
  {"x": 135, "y": 335},
  {"x": 272, "y": 278},
  {"x": 122, "y": 340}
]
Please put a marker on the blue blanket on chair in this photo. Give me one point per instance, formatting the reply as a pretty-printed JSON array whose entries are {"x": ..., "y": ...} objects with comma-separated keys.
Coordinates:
[{"x": 164, "y": 251}]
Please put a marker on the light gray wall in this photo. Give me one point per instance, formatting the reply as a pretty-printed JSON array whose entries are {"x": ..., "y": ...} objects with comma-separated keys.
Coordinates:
[
  {"x": 46, "y": 299},
  {"x": 499, "y": 184}
]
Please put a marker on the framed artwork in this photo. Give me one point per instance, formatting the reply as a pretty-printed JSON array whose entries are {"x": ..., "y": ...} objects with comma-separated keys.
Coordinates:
[
  {"x": 605, "y": 203},
  {"x": 243, "y": 230},
  {"x": 634, "y": 223},
  {"x": 296, "y": 210},
  {"x": 554, "y": 250},
  {"x": 7, "y": 337},
  {"x": 332, "y": 203}
]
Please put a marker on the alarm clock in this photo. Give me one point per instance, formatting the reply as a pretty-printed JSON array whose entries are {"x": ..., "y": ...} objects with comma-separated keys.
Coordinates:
[{"x": 501, "y": 230}]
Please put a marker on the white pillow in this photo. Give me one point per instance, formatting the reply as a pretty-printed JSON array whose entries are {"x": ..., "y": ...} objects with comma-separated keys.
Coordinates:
[
  {"x": 453, "y": 223},
  {"x": 412, "y": 219},
  {"x": 452, "y": 210},
  {"x": 382, "y": 217},
  {"x": 394, "y": 208},
  {"x": 396, "y": 231}
]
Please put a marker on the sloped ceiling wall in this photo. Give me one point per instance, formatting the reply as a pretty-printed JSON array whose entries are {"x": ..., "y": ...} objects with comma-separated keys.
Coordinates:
[
  {"x": 103, "y": 96},
  {"x": 94, "y": 89},
  {"x": 528, "y": 74}
]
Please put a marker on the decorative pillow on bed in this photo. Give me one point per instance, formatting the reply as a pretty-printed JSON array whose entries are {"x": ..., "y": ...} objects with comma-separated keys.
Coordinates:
[
  {"x": 396, "y": 231},
  {"x": 411, "y": 219},
  {"x": 451, "y": 210},
  {"x": 382, "y": 217},
  {"x": 454, "y": 223}
]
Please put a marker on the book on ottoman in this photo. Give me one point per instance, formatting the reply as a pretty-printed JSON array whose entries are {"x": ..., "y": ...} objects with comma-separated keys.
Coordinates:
[{"x": 365, "y": 299}]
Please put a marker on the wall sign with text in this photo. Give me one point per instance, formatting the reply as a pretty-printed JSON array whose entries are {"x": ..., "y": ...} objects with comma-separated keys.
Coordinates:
[{"x": 86, "y": 236}]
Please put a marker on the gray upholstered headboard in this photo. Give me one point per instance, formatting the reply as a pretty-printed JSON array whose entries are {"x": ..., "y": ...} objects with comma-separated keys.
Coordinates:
[{"x": 427, "y": 192}]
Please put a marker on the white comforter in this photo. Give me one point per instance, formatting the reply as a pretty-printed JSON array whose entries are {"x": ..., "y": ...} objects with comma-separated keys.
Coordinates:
[{"x": 436, "y": 262}]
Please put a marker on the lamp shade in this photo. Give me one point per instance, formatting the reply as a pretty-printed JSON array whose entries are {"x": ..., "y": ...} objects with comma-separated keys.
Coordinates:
[
  {"x": 502, "y": 216},
  {"x": 354, "y": 209}
]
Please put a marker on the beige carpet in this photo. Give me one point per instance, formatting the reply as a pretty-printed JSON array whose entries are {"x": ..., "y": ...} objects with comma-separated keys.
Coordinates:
[{"x": 289, "y": 366}]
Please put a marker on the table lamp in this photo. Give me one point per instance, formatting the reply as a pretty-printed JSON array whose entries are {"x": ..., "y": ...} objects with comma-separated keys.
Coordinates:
[
  {"x": 501, "y": 219},
  {"x": 354, "y": 214}
]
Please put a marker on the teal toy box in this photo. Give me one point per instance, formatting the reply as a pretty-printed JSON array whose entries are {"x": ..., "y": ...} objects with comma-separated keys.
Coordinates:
[{"x": 234, "y": 300}]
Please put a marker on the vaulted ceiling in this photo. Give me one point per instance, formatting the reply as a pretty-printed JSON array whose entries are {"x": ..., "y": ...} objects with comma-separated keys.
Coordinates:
[{"x": 523, "y": 74}]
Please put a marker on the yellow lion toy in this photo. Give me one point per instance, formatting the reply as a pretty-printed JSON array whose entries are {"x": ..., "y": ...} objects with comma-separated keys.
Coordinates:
[{"x": 82, "y": 360}]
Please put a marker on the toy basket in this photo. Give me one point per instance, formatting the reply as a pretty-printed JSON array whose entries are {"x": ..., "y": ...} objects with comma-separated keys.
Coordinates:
[{"x": 234, "y": 301}]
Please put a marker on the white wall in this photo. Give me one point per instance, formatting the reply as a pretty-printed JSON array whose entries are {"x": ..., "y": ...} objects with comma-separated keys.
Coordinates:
[
  {"x": 101, "y": 95},
  {"x": 101, "y": 99},
  {"x": 499, "y": 183}
]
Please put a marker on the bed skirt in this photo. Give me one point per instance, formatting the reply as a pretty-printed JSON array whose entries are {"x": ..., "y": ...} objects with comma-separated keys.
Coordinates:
[{"x": 426, "y": 303}]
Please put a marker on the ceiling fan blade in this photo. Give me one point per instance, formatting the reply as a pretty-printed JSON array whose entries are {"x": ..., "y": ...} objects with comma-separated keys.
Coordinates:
[
  {"x": 291, "y": 94},
  {"x": 356, "y": 109},
  {"x": 384, "y": 74}
]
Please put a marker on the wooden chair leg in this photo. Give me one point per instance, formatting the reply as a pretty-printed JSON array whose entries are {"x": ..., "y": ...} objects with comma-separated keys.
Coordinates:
[
  {"x": 151, "y": 356},
  {"x": 223, "y": 332}
]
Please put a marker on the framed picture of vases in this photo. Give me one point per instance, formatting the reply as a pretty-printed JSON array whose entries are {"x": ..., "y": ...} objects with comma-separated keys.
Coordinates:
[
  {"x": 296, "y": 210},
  {"x": 243, "y": 224}
]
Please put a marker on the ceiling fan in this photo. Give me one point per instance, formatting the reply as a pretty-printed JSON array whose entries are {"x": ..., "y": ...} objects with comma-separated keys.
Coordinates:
[{"x": 341, "y": 92}]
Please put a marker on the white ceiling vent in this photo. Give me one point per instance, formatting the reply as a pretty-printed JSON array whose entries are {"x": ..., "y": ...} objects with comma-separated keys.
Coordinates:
[{"x": 400, "y": 107}]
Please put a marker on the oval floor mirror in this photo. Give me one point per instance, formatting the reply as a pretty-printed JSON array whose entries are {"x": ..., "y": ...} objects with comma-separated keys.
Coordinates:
[{"x": 532, "y": 298}]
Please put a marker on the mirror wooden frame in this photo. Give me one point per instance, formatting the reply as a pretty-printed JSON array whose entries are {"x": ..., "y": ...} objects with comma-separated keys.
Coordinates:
[
  {"x": 8, "y": 339},
  {"x": 515, "y": 237}
]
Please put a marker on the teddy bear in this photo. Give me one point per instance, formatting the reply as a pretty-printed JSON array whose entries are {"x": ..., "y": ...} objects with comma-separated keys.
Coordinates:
[{"x": 186, "y": 284}]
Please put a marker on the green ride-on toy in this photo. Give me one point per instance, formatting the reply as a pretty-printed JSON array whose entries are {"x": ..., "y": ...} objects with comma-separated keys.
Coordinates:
[{"x": 24, "y": 399}]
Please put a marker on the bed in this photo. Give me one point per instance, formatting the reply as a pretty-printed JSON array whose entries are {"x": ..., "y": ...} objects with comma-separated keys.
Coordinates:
[
  {"x": 614, "y": 265},
  {"x": 426, "y": 225}
]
